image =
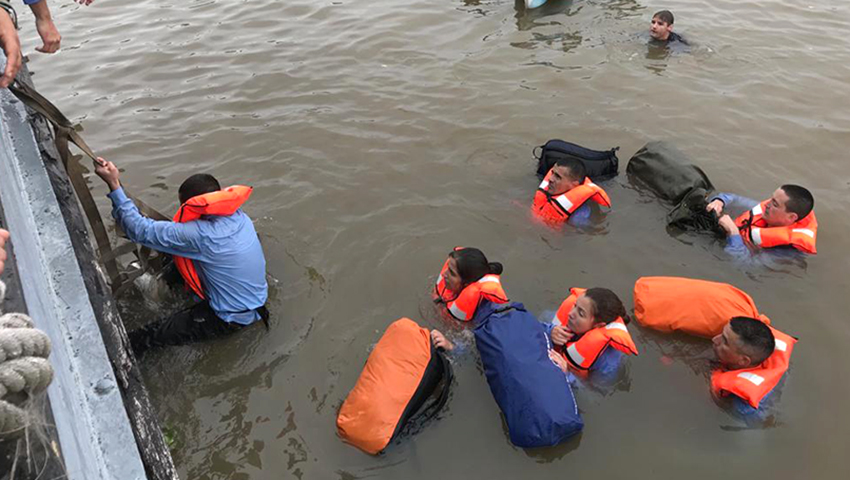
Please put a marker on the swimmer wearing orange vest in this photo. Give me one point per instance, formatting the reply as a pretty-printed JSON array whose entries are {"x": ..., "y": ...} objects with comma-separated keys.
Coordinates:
[
  {"x": 466, "y": 280},
  {"x": 753, "y": 359},
  {"x": 585, "y": 326},
  {"x": 753, "y": 356},
  {"x": 216, "y": 250},
  {"x": 785, "y": 219},
  {"x": 563, "y": 194}
]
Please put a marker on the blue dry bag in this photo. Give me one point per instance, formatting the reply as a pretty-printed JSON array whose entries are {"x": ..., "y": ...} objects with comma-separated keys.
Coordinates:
[{"x": 532, "y": 392}]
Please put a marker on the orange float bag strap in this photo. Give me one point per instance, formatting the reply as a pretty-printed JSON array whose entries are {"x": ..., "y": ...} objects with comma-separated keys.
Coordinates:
[
  {"x": 753, "y": 384},
  {"x": 401, "y": 373},
  {"x": 696, "y": 307}
]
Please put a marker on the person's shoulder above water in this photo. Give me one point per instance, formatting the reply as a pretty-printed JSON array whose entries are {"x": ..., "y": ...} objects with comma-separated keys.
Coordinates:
[{"x": 675, "y": 37}]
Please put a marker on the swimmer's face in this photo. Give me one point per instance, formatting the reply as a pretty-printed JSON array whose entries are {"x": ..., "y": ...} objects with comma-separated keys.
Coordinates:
[
  {"x": 776, "y": 213},
  {"x": 452, "y": 278},
  {"x": 581, "y": 319},
  {"x": 560, "y": 181},
  {"x": 730, "y": 350},
  {"x": 660, "y": 29}
]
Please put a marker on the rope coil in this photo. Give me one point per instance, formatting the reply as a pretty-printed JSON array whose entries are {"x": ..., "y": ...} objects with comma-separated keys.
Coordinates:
[{"x": 24, "y": 369}]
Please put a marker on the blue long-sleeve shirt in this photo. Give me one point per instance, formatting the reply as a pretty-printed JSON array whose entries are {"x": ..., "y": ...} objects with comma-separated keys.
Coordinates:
[
  {"x": 581, "y": 217},
  {"x": 225, "y": 250}
]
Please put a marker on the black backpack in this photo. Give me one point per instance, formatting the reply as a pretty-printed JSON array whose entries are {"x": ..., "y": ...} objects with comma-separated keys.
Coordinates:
[{"x": 600, "y": 164}]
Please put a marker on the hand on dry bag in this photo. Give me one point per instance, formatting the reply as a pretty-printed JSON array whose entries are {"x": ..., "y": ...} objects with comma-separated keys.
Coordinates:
[{"x": 402, "y": 373}]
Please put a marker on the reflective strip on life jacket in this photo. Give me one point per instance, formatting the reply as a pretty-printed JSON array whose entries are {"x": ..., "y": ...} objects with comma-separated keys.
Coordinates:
[
  {"x": 753, "y": 384},
  {"x": 221, "y": 203},
  {"x": 802, "y": 235},
  {"x": 464, "y": 305},
  {"x": 558, "y": 208}
]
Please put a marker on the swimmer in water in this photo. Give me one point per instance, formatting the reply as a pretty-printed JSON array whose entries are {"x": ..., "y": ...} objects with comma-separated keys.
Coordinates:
[
  {"x": 466, "y": 280},
  {"x": 216, "y": 250},
  {"x": 661, "y": 29},
  {"x": 585, "y": 326}
]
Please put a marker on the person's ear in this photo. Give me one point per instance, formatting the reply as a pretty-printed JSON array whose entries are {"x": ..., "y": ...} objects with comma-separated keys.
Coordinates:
[
  {"x": 745, "y": 361},
  {"x": 793, "y": 217}
]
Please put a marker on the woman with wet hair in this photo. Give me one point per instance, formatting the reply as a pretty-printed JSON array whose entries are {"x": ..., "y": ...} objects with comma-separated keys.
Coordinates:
[
  {"x": 585, "y": 326},
  {"x": 466, "y": 280}
]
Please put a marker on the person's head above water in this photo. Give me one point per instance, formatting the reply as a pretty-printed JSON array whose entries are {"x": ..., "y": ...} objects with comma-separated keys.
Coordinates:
[
  {"x": 567, "y": 174},
  {"x": 744, "y": 342},
  {"x": 197, "y": 184},
  {"x": 787, "y": 205},
  {"x": 597, "y": 307},
  {"x": 661, "y": 25},
  {"x": 468, "y": 266}
]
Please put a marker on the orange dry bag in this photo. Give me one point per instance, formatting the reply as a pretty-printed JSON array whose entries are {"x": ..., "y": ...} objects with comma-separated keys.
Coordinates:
[
  {"x": 402, "y": 372},
  {"x": 697, "y": 307}
]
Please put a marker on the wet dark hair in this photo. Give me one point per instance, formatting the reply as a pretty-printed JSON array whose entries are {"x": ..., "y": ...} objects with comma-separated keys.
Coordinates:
[
  {"x": 756, "y": 336},
  {"x": 576, "y": 167},
  {"x": 607, "y": 306},
  {"x": 197, "y": 184},
  {"x": 800, "y": 200},
  {"x": 472, "y": 265},
  {"x": 665, "y": 16}
]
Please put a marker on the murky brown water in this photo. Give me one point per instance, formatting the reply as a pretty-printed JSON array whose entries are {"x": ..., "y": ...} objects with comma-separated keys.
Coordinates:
[{"x": 378, "y": 135}]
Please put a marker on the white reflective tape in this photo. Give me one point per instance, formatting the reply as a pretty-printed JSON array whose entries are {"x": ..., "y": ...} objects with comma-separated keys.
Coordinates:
[
  {"x": 756, "y": 379},
  {"x": 757, "y": 210},
  {"x": 755, "y": 233},
  {"x": 591, "y": 184},
  {"x": 457, "y": 312},
  {"x": 780, "y": 345},
  {"x": 617, "y": 326},
  {"x": 565, "y": 202},
  {"x": 804, "y": 231},
  {"x": 572, "y": 351},
  {"x": 543, "y": 184},
  {"x": 489, "y": 279}
]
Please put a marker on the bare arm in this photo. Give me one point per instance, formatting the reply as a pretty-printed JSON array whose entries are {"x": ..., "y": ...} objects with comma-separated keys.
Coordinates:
[
  {"x": 11, "y": 47},
  {"x": 46, "y": 28}
]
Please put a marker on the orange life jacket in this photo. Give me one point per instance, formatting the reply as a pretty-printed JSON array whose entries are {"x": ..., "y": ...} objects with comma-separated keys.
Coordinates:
[
  {"x": 697, "y": 307},
  {"x": 802, "y": 235},
  {"x": 558, "y": 208},
  {"x": 583, "y": 353},
  {"x": 222, "y": 203},
  {"x": 464, "y": 305},
  {"x": 752, "y": 384}
]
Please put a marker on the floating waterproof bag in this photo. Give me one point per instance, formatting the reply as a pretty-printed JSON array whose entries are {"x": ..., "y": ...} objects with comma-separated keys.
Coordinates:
[
  {"x": 532, "y": 392},
  {"x": 667, "y": 171},
  {"x": 697, "y": 307},
  {"x": 600, "y": 165},
  {"x": 402, "y": 372}
]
